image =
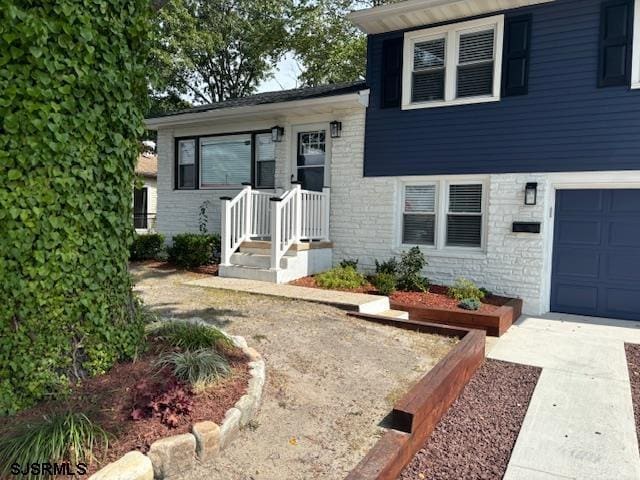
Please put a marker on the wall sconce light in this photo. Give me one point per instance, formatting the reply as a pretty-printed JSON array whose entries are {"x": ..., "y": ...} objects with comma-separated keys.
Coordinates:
[
  {"x": 336, "y": 129},
  {"x": 277, "y": 133},
  {"x": 531, "y": 194}
]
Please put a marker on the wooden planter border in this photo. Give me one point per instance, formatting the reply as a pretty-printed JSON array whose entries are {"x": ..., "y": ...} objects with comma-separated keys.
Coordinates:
[
  {"x": 495, "y": 323},
  {"x": 418, "y": 412}
]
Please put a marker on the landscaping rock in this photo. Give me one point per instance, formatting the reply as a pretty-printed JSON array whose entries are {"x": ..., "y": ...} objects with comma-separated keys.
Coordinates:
[
  {"x": 207, "y": 440},
  {"x": 239, "y": 342},
  {"x": 252, "y": 354},
  {"x": 230, "y": 427},
  {"x": 173, "y": 455},
  {"x": 257, "y": 369},
  {"x": 247, "y": 407},
  {"x": 132, "y": 466}
]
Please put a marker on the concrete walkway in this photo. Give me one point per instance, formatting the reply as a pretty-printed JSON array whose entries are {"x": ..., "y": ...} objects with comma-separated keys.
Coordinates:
[
  {"x": 580, "y": 422},
  {"x": 359, "y": 302}
]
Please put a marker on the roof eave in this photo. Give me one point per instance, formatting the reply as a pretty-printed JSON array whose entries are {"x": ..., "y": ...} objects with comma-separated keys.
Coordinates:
[
  {"x": 416, "y": 13},
  {"x": 249, "y": 110}
]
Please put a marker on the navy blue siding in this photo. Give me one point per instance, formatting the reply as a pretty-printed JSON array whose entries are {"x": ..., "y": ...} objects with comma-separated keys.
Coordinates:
[{"x": 564, "y": 123}]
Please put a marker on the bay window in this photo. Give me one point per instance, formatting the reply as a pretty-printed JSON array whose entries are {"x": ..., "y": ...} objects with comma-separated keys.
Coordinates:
[
  {"x": 443, "y": 215},
  {"x": 453, "y": 64}
]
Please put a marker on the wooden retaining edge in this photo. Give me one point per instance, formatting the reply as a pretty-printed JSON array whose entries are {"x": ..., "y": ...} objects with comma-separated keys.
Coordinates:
[
  {"x": 418, "y": 412},
  {"x": 495, "y": 323},
  {"x": 177, "y": 454}
]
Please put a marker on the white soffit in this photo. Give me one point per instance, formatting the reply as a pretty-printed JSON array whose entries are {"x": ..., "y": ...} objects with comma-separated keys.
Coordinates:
[{"x": 416, "y": 13}]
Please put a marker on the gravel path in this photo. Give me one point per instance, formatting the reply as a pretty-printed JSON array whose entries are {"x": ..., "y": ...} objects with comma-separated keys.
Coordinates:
[
  {"x": 475, "y": 438},
  {"x": 330, "y": 378},
  {"x": 633, "y": 362}
]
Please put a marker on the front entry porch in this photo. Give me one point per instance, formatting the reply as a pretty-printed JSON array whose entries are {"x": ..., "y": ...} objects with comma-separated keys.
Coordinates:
[{"x": 275, "y": 238}]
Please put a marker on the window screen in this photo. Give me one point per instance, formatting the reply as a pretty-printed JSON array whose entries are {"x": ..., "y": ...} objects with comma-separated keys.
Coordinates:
[
  {"x": 419, "y": 218},
  {"x": 475, "y": 64},
  {"x": 225, "y": 161}
]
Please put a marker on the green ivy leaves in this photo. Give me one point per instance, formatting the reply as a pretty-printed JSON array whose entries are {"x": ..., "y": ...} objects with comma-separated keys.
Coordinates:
[{"x": 72, "y": 93}]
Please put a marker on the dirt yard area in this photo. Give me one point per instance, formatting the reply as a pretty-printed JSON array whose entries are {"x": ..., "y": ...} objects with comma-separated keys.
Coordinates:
[{"x": 331, "y": 379}]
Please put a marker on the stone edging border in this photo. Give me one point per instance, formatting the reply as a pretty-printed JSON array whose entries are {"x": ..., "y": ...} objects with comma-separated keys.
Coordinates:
[
  {"x": 179, "y": 453},
  {"x": 418, "y": 412}
]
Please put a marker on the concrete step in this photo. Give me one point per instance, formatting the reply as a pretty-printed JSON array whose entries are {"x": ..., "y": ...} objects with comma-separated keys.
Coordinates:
[
  {"x": 249, "y": 273},
  {"x": 259, "y": 260},
  {"x": 396, "y": 314}
]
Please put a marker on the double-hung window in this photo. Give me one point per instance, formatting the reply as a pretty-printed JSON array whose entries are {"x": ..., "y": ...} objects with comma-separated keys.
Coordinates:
[
  {"x": 225, "y": 161},
  {"x": 186, "y": 171},
  {"x": 454, "y": 64},
  {"x": 443, "y": 215},
  {"x": 265, "y": 161}
]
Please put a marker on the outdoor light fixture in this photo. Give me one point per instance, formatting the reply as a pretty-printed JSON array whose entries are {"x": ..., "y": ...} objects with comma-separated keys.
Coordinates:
[
  {"x": 531, "y": 193},
  {"x": 277, "y": 133},
  {"x": 336, "y": 129}
]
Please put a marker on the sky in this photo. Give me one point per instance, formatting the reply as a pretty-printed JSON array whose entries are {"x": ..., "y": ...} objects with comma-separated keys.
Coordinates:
[{"x": 285, "y": 76}]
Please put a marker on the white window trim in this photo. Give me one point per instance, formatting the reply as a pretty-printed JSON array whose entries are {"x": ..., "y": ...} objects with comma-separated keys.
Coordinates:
[
  {"x": 442, "y": 207},
  {"x": 216, "y": 139},
  {"x": 451, "y": 33},
  {"x": 635, "y": 67}
]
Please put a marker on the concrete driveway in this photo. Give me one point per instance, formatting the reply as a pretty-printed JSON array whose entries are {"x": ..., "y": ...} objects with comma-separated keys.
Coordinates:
[{"x": 580, "y": 422}]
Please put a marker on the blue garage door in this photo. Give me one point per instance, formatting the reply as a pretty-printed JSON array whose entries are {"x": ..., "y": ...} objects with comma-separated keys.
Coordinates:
[{"x": 596, "y": 253}]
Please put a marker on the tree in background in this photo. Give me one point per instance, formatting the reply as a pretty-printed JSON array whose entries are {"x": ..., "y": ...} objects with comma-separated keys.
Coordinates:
[
  {"x": 73, "y": 90},
  {"x": 214, "y": 50},
  {"x": 328, "y": 46}
]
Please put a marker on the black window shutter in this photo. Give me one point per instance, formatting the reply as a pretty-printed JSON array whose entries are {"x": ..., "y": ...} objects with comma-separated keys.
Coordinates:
[
  {"x": 391, "y": 85},
  {"x": 615, "y": 43},
  {"x": 517, "y": 50}
]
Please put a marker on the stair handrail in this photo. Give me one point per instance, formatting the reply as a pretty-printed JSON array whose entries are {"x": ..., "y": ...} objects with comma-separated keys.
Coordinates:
[
  {"x": 285, "y": 224},
  {"x": 236, "y": 218}
]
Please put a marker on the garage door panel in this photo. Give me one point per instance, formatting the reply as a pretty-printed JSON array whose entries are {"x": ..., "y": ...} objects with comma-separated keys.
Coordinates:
[
  {"x": 621, "y": 268},
  {"x": 577, "y": 201},
  {"x": 624, "y": 201},
  {"x": 596, "y": 253},
  {"x": 624, "y": 233},
  {"x": 622, "y": 301},
  {"x": 579, "y": 232},
  {"x": 578, "y": 262},
  {"x": 570, "y": 297}
]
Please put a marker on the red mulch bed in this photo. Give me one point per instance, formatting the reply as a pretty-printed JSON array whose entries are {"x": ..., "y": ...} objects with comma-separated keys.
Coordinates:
[
  {"x": 475, "y": 438},
  {"x": 436, "y": 297},
  {"x": 633, "y": 363},
  {"x": 108, "y": 400}
]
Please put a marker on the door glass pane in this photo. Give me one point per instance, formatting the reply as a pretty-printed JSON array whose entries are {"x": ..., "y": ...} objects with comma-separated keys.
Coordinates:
[
  {"x": 311, "y": 148},
  {"x": 312, "y": 178}
]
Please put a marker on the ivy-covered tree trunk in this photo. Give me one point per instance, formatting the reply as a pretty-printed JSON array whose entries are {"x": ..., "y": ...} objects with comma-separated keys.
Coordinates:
[{"x": 72, "y": 87}]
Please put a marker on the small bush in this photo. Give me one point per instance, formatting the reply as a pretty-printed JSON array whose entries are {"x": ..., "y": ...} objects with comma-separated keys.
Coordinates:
[
  {"x": 385, "y": 283},
  {"x": 409, "y": 272},
  {"x": 70, "y": 437},
  {"x": 346, "y": 263},
  {"x": 146, "y": 247},
  {"x": 390, "y": 266},
  {"x": 463, "y": 289},
  {"x": 189, "y": 335},
  {"x": 340, "y": 277},
  {"x": 191, "y": 250},
  {"x": 469, "y": 304},
  {"x": 168, "y": 401},
  {"x": 199, "y": 368}
]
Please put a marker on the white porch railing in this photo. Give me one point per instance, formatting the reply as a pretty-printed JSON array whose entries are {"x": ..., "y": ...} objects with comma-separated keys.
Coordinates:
[{"x": 297, "y": 215}]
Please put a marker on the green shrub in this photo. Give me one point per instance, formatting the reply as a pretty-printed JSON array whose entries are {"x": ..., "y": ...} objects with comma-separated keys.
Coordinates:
[
  {"x": 409, "y": 271},
  {"x": 340, "y": 277},
  {"x": 385, "y": 283},
  {"x": 390, "y": 266},
  {"x": 189, "y": 335},
  {"x": 199, "y": 368},
  {"x": 191, "y": 250},
  {"x": 146, "y": 246},
  {"x": 73, "y": 89},
  {"x": 68, "y": 437},
  {"x": 353, "y": 263},
  {"x": 464, "y": 288},
  {"x": 469, "y": 304}
]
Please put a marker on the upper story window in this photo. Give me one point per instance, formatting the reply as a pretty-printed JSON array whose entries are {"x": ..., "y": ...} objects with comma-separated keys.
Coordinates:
[{"x": 454, "y": 64}]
